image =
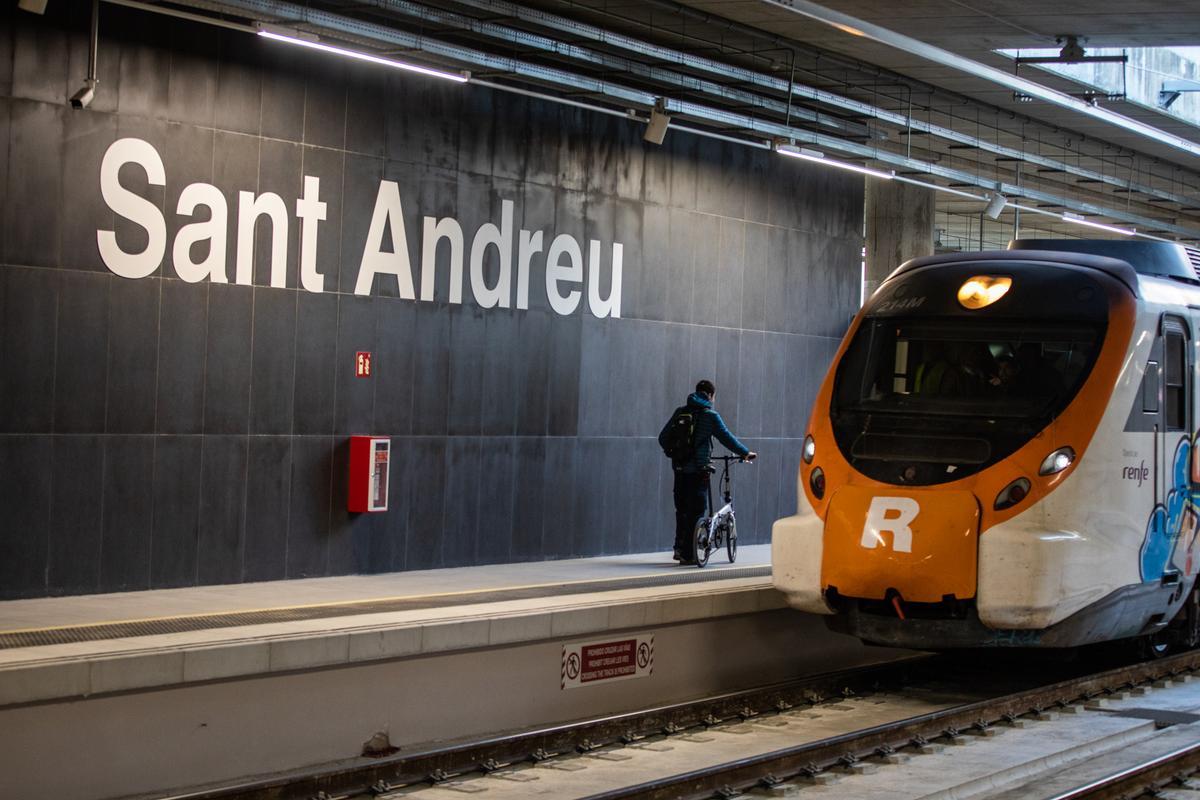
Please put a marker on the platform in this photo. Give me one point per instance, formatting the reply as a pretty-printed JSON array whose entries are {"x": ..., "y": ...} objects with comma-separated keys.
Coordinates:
[
  {"x": 234, "y": 681},
  {"x": 54, "y": 648}
]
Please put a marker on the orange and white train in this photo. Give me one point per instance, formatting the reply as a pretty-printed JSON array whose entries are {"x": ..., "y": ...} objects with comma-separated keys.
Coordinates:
[{"x": 1003, "y": 453}]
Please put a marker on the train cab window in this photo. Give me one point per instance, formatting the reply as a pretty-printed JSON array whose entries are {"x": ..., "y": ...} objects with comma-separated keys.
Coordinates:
[
  {"x": 933, "y": 400},
  {"x": 1150, "y": 388},
  {"x": 1174, "y": 388}
]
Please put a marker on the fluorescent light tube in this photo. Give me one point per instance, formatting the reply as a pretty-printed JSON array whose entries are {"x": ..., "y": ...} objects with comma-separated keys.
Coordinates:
[
  {"x": 387, "y": 62},
  {"x": 1078, "y": 220},
  {"x": 793, "y": 151}
]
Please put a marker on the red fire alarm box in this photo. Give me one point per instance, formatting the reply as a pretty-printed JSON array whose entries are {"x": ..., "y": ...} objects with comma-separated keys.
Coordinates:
[{"x": 369, "y": 456}]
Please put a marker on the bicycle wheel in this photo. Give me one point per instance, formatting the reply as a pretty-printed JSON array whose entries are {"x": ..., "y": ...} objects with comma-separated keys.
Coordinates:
[
  {"x": 703, "y": 542},
  {"x": 731, "y": 539}
]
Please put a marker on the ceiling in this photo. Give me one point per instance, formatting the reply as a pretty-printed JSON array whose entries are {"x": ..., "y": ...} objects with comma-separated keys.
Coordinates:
[{"x": 727, "y": 66}]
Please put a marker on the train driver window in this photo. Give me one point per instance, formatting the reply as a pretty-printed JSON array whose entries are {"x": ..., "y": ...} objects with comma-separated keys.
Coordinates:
[
  {"x": 1175, "y": 394},
  {"x": 1150, "y": 388}
]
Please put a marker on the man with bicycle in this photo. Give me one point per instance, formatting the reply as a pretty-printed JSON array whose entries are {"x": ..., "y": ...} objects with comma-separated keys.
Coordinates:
[{"x": 687, "y": 440}]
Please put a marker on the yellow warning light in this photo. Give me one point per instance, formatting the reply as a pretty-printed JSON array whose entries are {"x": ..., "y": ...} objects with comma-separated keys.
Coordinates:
[{"x": 983, "y": 290}]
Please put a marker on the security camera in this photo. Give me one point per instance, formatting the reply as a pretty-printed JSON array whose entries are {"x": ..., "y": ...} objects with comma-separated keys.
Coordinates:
[
  {"x": 995, "y": 206},
  {"x": 83, "y": 98},
  {"x": 656, "y": 128}
]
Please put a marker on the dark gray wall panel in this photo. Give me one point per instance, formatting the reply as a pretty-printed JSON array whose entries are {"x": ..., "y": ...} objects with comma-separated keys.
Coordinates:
[
  {"x": 227, "y": 358},
  {"x": 183, "y": 333},
  {"x": 35, "y": 175},
  {"x": 308, "y": 515},
  {"x": 529, "y": 498},
  {"x": 132, "y": 355},
  {"x": 494, "y": 539},
  {"x": 239, "y": 87},
  {"x": 25, "y": 463},
  {"x": 128, "y": 517},
  {"x": 282, "y": 110},
  {"x": 77, "y": 492},
  {"x": 325, "y": 118},
  {"x": 206, "y": 425},
  {"x": 221, "y": 524},
  {"x": 40, "y": 60},
  {"x": 425, "y": 501},
  {"x": 192, "y": 92},
  {"x": 274, "y": 366},
  {"x": 393, "y": 366},
  {"x": 27, "y": 336},
  {"x": 268, "y": 480},
  {"x": 177, "y": 472},
  {"x": 431, "y": 369},
  {"x": 461, "y": 513},
  {"x": 316, "y": 348}
]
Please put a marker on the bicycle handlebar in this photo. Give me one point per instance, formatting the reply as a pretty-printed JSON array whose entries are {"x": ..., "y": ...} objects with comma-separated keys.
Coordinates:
[{"x": 727, "y": 459}]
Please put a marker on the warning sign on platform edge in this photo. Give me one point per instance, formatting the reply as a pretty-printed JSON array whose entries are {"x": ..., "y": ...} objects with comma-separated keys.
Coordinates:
[{"x": 590, "y": 663}]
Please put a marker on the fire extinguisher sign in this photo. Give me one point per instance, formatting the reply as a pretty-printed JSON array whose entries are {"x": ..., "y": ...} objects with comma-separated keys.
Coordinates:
[
  {"x": 362, "y": 364},
  {"x": 602, "y": 662}
]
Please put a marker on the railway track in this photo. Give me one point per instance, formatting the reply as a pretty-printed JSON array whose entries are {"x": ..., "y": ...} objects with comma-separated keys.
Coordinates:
[{"x": 843, "y": 726}]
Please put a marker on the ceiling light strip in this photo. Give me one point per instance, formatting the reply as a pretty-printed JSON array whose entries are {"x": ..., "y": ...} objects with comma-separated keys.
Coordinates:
[
  {"x": 817, "y": 156},
  {"x": 457, "y": 77},
  {"x": 868, "y": 30},
  {"x": 1079, "y": 220}
]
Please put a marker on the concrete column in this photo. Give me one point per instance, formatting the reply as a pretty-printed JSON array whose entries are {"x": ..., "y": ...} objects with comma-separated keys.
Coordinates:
[{"x": 899, "y": 220}]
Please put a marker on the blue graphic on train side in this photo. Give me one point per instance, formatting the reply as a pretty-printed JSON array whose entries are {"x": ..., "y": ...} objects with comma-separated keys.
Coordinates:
[{"x": 1166, "y": 520}]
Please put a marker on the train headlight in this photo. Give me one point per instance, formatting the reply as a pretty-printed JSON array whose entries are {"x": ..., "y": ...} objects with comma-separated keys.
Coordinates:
[
  {"x": 817, "y": 482},
  {"x": 983, "y": 290},
  {"x": 1012, "y": 494},
  {"x": 1057, "y": 461},
  {"x": 810, "y": 449}
]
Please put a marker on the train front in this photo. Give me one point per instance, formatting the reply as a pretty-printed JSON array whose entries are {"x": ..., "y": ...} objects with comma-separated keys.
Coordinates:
[{"x": 966, "y": 393}]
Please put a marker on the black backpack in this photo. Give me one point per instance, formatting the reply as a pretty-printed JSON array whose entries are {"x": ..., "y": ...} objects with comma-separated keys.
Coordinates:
[{"x": 679, "y": 443}]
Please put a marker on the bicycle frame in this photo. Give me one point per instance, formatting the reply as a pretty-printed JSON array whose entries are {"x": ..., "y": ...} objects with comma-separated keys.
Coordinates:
[{"x": 719, "y": 522}]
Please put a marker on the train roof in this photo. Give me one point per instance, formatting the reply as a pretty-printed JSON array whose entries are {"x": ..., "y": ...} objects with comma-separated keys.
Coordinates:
[{"x": 1124, "y": 260}]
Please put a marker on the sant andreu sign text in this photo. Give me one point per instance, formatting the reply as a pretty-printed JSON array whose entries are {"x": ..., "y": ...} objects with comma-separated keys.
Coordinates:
[{"x": 564, "y": 259}]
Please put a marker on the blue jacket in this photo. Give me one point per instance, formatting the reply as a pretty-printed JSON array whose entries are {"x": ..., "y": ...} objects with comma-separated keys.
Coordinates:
[{"x": 708, "y": 425}]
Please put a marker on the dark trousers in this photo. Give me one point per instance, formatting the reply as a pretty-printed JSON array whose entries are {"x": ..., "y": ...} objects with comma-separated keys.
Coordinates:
[{"x": 691, "y": 499}]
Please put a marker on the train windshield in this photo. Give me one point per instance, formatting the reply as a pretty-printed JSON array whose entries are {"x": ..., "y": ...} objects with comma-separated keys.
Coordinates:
[{"x": 929, "y": 401}]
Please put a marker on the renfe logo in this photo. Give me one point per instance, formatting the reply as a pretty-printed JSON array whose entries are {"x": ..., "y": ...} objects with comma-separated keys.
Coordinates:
[
  {"x": 564, "y": 261},
  {"x": 892, "y": 514}
]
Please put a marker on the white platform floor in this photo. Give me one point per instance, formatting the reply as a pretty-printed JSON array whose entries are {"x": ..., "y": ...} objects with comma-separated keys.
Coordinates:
[{"x": 52, "y": 612}]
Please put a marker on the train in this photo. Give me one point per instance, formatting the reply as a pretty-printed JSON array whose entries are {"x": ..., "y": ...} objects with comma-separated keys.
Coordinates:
[{"x": 1003, "y": 453}]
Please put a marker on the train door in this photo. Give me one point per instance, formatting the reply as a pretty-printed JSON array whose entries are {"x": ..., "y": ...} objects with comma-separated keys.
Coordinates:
[{"x": 1174, "y": 463}]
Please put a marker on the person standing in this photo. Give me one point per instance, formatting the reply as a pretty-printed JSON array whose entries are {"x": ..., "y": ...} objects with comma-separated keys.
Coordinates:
[{"x": 687, "y": 441}]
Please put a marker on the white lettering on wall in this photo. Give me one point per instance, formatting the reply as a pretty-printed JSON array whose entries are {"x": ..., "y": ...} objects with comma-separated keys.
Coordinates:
[
  {"x": 310, "y": 210},
  {"x": 375, "y": 261},
  {"x": 556, "y": 272},
  {"x": 137, "y": 210},
  {"x": 564, "y": 262},
  {"x": 433, "y": 232},
  {"x": 213, "y": 229},
  {"x": 501, "y": 238},
  {"x": 250, "y": 208},
  {"x": 531, "y": 245},
  {"x": 612, "y": 306}
]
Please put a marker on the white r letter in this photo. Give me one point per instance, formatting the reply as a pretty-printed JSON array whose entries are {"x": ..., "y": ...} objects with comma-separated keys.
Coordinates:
[{"x": 903, "y": 511}]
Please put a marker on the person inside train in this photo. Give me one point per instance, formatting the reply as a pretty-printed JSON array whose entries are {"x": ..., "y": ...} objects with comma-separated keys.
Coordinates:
[
  {"x": 936, "y": 375},
  {"x": 698, "y": 422}
]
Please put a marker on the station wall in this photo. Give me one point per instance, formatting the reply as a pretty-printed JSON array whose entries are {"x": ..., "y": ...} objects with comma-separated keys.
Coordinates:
[{"x": 156, "y": 432}]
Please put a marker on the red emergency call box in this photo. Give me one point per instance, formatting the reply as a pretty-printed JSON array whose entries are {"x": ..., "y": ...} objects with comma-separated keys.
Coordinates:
[{"x": 369, "y": 457}]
